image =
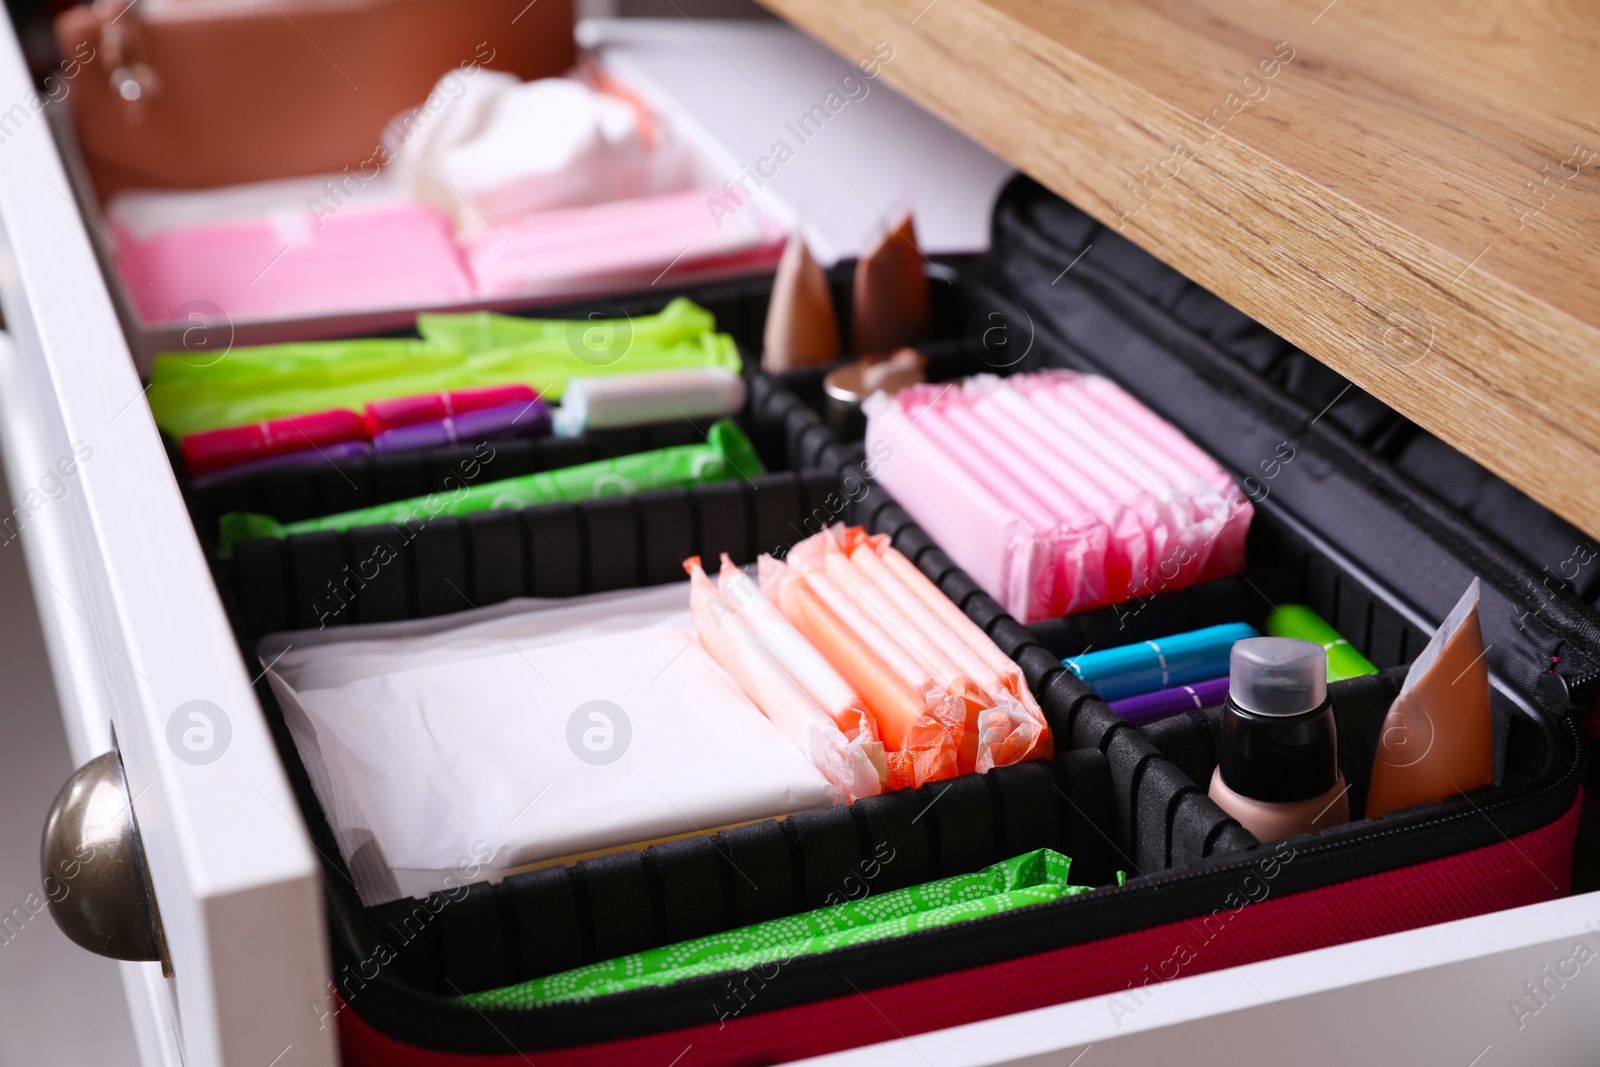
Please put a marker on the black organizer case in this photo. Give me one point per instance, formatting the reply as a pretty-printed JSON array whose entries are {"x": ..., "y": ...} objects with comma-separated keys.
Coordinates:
[{"x": 1132, "y": 791}]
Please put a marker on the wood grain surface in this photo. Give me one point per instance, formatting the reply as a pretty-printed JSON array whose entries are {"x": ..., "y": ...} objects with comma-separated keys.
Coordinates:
[{"x": 1408, "y": 191}]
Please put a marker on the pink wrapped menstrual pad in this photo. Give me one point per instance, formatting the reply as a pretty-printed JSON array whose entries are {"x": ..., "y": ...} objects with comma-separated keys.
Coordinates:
[{"x": 1058, "y": 491}]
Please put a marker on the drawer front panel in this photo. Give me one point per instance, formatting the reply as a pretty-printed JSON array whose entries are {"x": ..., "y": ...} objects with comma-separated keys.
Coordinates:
[{"x": 136, "y": 632}]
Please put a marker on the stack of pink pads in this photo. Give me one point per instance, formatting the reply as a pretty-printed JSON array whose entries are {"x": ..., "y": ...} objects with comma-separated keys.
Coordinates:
[{"x": 1057, "y": 491}]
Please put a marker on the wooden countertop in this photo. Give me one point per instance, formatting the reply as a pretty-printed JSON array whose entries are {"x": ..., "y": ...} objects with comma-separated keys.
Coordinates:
[{"x": 1410, "y": 192}]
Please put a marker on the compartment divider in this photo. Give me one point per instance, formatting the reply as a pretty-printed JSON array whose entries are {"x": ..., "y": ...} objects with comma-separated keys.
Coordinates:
[
  {"x": 693, "y": 891},
  {"x": 966, "y": 819},
  {"x": 763, "y": 886},
  {"x": 495, "y": 563},
  {"x": 474, "y": 941},
  {"x": 610, "y": 522},
  {"x": 621, "y": 912},
  {"x": 827, "y": 842},
  {"x": 438, "y": 571},
  {"x": 551, "y": 920},
  {"x": 1083, "y": 786},
  {"x": 896, "y": 819}
]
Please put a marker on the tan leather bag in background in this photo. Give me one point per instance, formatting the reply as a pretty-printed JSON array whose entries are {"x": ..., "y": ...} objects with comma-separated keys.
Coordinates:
[{"x": 191, "y": 95}]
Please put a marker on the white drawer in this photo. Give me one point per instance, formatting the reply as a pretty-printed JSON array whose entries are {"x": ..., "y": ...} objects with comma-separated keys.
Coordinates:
[
  {"x": 136, "y": 630},
  {"x": 1439, "y": 995}
]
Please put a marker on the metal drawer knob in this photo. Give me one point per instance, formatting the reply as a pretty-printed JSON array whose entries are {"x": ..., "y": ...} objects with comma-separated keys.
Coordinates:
[{"x": 95, "y": 876}]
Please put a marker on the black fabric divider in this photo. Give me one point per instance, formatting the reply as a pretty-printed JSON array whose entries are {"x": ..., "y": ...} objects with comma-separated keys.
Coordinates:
[
  {"x": 611, "y": 533},
  {"x": 1162, "y": 786},
  {"x": 1128, "y": 753},
  {"x": 544, "y": 906},
  {"x": 763, "y": 886},
  {"x": 554, "y": 918},
  {"x": 667, "y": 534},
  {"x": 1147, "y": 833},
  {"x": 383, "y": 573},
  {"x": 1187, "y": 740},
  {"x": 1083, "y": 789},
  {"x": 1060, "y": 698},
  {"x": 827, "y": 842},
  {"x": 317, "y": 574},
  {"x": 724, "y": 521},
  {"x": 404, "y": 925},
  {"x": 439, "y": 569},
  {"x": 896, "y": 819},
  {"x": 330, "y": 487},
  {"x": 1031, "y": 816},
  {"x": 474, "y": 948},
  {"x": 958, "y": 586},
  {"x": 554, "y": 543},
  {"x": 965, "y": 824},
  {"x": 1243, "y": 598},
  {"x": 1037, "y": 664},
  {"x": 1190, "y": 742},
  {"x": 621, "y": 913},
  {"x": 688, "y": 876},
  {"x": 1197, "y": 825}
]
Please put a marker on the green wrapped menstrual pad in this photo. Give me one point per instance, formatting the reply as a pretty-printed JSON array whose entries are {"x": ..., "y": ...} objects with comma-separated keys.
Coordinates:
[
  {"x": 1032, "y": 878},
  {"x": 726, "y": 454},
  {"x": 192, "y": 393}
]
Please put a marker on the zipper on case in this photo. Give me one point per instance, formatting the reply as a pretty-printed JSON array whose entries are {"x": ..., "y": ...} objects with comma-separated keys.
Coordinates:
[{"x": 1569, "y": 690}]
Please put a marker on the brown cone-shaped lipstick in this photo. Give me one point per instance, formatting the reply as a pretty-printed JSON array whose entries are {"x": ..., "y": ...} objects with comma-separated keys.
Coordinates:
[
  {"x": 892, "y": 306},
  {"x": 801, "y": 328}
]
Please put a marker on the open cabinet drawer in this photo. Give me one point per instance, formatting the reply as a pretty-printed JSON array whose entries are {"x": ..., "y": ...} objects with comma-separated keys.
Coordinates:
[
  {"x": 137, "y": 633},
  {"x": 136, "y": 636}
]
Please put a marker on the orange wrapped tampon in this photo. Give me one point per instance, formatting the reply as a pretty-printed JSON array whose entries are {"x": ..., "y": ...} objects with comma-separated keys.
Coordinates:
[
  {"x": 879, "y": 620},
  {"x": 920, "y": 748},
  {"x": 730, "y": 640},
  {"x": 1009, "y": 724},
  {"x": 795, "y": 654}
]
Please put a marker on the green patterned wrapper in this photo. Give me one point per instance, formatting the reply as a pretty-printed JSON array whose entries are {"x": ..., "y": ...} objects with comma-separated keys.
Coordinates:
[
  {"x": 191, "y": 393},
  {"x": 1297, "y": 620},
  {"x": 477, "y": 332},
  {"x": 725, "y": 455},
  {"x": 1031, "y": 878}
]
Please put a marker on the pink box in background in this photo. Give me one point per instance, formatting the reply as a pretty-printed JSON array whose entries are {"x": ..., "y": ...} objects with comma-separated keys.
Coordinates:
[
  {"x": 298, "y": 263},
  {"x": 630, "y": 240}
]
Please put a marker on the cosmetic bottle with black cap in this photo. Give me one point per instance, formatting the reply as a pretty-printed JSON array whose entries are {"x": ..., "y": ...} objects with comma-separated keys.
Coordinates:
[{"x": 1278, "y": 767}]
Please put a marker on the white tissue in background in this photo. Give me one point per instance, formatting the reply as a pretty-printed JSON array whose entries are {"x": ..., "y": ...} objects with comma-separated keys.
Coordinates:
[{"x": 492, "y": 149}]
